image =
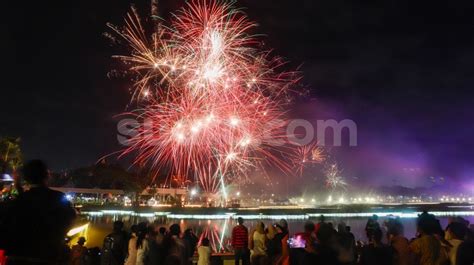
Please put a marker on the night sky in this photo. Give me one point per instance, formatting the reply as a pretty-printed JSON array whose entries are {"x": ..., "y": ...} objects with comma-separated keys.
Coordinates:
[{"x": 402, "y": 70}]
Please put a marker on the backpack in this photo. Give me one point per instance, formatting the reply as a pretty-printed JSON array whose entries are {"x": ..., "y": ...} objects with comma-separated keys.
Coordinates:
[{"x": 107, "y": 249}]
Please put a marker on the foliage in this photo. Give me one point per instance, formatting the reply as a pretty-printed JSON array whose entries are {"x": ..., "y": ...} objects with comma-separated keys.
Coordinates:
[
  {"x": 105, "y": 176},
  {"x": 10, "y": 154}
]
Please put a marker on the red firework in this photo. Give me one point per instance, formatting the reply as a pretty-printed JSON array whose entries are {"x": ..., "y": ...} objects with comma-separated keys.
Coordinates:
[
  {"x": 305, "y": 155},
  {"x": 211, "y": 102}
]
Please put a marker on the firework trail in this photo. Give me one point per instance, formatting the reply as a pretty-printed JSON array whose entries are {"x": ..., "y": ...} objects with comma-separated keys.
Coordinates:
[{"x": 211, "y": 101}]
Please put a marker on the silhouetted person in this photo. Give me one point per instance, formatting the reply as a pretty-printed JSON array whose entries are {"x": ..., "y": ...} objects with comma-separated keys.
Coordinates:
[
  {"x": 274, "y": 243},
  {"x": 36, "y": 223},
  {"x": 114, "y": 249},
  {"x": 79, "y": 252},
  {"x": 258, "y": 245},
  {"x": 465, "y": 255},
  {"x": 284, "y": 233},
  {"x": 161, "y": 235},
  {"x": 345, "y": 244},
  {"x": 322, "y": 220},
  {"x": 142, "y": 245},
  {"x": 191, "y": 241},
  {"x": 174, "y": 247},
  {"x": 457, "y": 232},
  {"x": 376, "y": 253},
  {"x": 155, "y": 253},
  {"x": 132, "y": 246},
  {"x": 427, "y": 248},
  {"x": 326, "y": 254},
  {"x": 372, "y": 225},
  {"x": 398, "y": 242},
  {"x": 240, "y": 240}
]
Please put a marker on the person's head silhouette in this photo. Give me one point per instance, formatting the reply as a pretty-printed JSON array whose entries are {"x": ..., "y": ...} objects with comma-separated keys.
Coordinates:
[
  {"x": 118, "y": 226},
  {"x": 35, "y": 172}
]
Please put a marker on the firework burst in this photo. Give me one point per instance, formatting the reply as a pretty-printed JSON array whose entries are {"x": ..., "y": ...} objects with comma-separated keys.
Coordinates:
[
  {"x": 210, "y": 100},
  {"x": 306, "y": 155},
  {"x": 334, "y": 179}
]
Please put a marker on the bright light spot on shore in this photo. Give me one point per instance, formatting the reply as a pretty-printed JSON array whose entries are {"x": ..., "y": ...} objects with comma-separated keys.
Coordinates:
[
  {"x": 313, "y": 200},
  {"x": 301, "y": 200},
  {"x": 152, "y": 202},
  {"x": 193, "y": 192},
  {"x": 330, "y": 198}
]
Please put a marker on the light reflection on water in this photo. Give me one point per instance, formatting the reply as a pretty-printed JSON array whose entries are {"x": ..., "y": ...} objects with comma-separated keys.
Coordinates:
[{"x": 218, "y": 230}]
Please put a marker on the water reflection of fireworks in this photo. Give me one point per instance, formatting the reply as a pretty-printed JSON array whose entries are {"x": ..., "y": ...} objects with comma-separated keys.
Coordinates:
[{"x": 217, "y": 236}]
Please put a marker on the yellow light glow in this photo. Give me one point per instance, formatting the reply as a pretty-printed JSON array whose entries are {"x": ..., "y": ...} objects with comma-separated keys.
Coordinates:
[{"x": 77, "y": 230}]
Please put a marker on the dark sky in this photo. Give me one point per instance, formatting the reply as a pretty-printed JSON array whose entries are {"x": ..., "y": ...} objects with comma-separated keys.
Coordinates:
[{"x": 402, "y": 70}]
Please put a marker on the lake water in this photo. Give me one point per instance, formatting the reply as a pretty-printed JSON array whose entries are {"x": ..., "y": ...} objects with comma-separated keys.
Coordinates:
[{"x": 218, "y": 230}]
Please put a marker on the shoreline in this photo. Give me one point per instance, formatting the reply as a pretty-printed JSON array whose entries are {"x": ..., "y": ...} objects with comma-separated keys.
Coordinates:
[{"x": 362, "y": 210}]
